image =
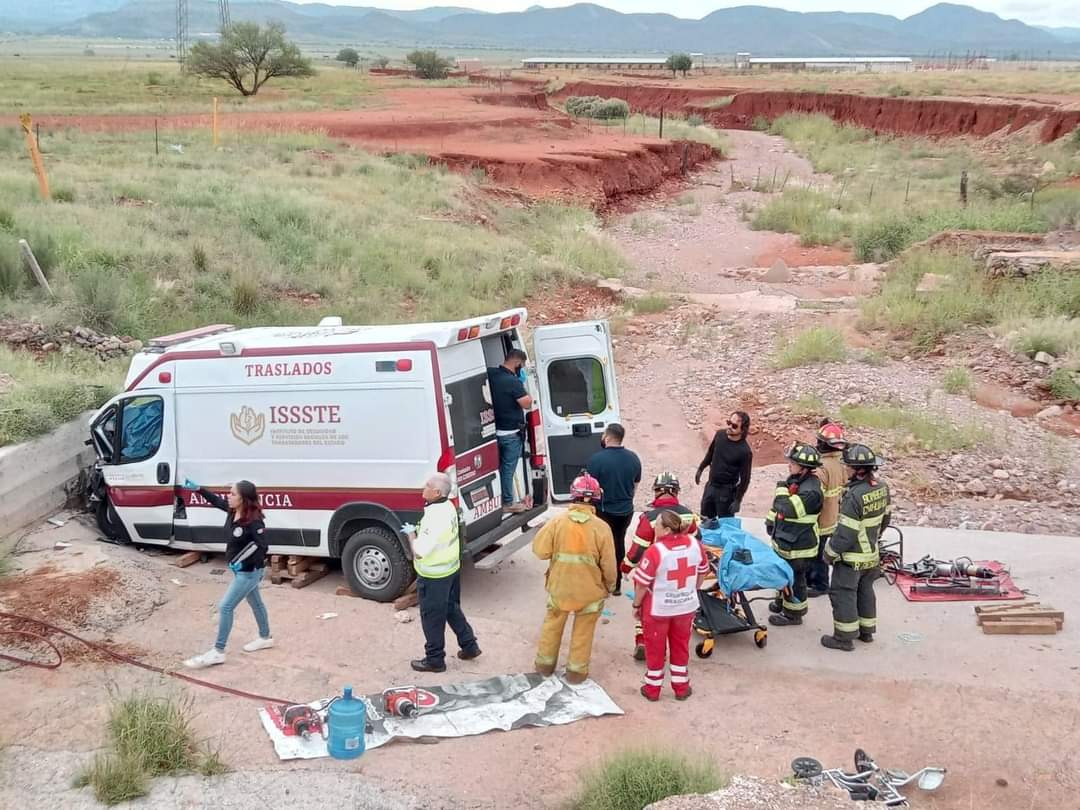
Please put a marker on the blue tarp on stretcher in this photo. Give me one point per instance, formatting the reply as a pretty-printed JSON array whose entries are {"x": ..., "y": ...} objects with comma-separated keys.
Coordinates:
[{"x": 767, "y": 569}]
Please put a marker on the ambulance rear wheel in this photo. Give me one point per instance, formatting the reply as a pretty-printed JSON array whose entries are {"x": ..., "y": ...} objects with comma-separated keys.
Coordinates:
[
  {"x": 705, "y": 648},
  {"x": 375, "y": 565}
]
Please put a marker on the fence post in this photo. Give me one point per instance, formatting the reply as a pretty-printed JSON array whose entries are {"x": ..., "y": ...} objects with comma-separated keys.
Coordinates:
[
  {"x": 963, "y": 188},
  {"x": 661, "y": 122},
  {"x": 907, "y": 190},
  {"x": 35, "y": 156},
  {"x": 157, "y": 151},
  {"x": 843, "y": 188},
  {"x": 870, "y": 199},
  {"x": 215, "y": 123},
  {"x": 35, "y": 268},
  {"x": 772, "y": 185},
  {"x": 685, "y": 154}
]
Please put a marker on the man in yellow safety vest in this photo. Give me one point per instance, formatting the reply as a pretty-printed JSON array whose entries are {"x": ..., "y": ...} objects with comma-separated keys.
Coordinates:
[
  {"x": 853, "y": 551},
  {"x": 437, "y": 559}
]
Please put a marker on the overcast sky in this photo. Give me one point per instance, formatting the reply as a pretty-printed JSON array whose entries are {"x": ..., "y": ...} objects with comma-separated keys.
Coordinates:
[{"x": 1033, "y": 12}]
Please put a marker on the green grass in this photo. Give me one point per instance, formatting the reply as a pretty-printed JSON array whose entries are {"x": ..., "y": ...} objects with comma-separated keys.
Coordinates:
[
  {"x": 819, "y": 344},
  {"x": 46, "y": 394},
  {"x": 890, "y": 192},
  {"x": 972, "y": 299},
  {"x": 633, "y": 780},
  {"x": 7, "y": 562},
  {"x": 235, "y": 235},
  {"x": 932, "y": 432},
  {"x": 675, "y": 129},
  {"x": 957, "y": 380},
  {"x": 90, "y": 86},
  {"x": 808, "y": 405},
  {"x": 148, "y": 736},
  {"x": 651, "y": 304},
  {"x": 718, "y": 103}
]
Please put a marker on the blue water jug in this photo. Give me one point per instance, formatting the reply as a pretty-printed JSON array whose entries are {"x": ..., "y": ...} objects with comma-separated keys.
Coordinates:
[{"x": 347, "y": 720}]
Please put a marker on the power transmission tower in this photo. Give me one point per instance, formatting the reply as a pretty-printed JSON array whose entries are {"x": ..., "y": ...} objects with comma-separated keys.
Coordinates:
[
  {"x": 181, "y": 31},
  {"x": 223, "y": 10}
]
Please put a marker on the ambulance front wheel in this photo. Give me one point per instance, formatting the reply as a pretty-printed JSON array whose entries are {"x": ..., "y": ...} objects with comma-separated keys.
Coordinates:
[
  {"x": 375, "y": 565},
  {"x": 109, "y": 522}
]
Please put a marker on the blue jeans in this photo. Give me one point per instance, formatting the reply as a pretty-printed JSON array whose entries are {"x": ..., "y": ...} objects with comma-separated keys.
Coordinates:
[
  {"x": 510, "y": 450},
  {"x": 245, "y": 585}
]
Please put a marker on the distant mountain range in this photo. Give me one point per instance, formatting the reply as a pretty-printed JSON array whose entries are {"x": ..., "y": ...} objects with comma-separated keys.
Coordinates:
[{"x": 574, "y": 29}]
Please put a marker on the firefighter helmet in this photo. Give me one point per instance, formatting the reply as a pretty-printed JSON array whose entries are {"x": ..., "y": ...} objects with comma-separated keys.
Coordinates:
[
  {"x": 666, "y": 481},
  {"x": 804, "y": 455},
  {"x": 585, "y": 488},
  {"x": 859, "y": 455},
  {"x": 831, "y": 434}
]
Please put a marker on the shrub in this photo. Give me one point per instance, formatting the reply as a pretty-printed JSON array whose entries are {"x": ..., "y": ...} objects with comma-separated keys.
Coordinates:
[
  {"x": 200, "y": 259},
  {"x": 957, "y": 380},
  {"x": 807, "y": 213},
  {"x": 650, "y": 304},
  {"x": 596, "y": 107},
  {"x": 695, "y": 120},
  {"x": 7, "y": 219},
  {"x": 761, "y": 123},
  {"x": 898, "y": 91},
  {"x": 348, "y": 56},
  {"x": 246, "y": 295},
  {"x": 63, "y": 195},
  {"x": 1064, "y": 384},
  {"x": 154, "y": 79},
  {"x": 380, "y": 62},
  {"x": 881, "y": 240},
  {"x": 819, "y": 344},
  {"x": 1060, "y": 207},
  {"x": 679, "y": 62},
  {"x": 100, "y": 298},
  {"x": 1076, "y": 137},
  {"x": 1056, "y": 336},
  {"x": 633, "y": 780},
  {"x": 428, "y": 64}
]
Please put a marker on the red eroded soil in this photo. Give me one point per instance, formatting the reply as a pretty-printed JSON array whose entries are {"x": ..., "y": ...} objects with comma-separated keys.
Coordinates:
[
  {"x": 910, "y": 116},
  {"x": 515, "y": 137},
  {"x": 795, "y": 255}
]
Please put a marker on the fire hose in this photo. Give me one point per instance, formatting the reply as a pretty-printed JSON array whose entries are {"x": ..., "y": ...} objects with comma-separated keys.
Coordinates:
[{"x": 126, "y": 659}]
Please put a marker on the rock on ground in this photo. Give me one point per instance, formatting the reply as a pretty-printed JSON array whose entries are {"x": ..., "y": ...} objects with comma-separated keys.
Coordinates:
[{"x": 750, "y": 793}]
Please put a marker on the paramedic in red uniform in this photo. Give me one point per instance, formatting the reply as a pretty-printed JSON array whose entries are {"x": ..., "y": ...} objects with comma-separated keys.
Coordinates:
[
  {"x": 665, "y": 497},
  {"x": 509, "y": 400},
  {"x": 666, "y": 583},
  {"x": 245, "y": 550}
]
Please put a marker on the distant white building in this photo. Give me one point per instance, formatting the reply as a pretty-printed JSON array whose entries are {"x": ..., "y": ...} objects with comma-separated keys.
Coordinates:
[
  {"x": 593, "y": 63},
  {"x": 854, "y": 64}
]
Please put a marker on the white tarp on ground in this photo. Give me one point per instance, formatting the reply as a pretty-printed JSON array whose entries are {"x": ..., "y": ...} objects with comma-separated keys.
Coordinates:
[{"x": 502, "y": 703}]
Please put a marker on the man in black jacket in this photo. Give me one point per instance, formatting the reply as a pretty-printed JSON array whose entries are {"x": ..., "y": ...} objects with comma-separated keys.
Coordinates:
[{"x": 729, "y": 459}]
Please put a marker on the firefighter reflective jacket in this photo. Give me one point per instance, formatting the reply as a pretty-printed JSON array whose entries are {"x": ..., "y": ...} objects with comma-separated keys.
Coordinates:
[
  {"x": 645, "y": 532},
  {"x": 582, "y": 553},
  {"x": 792, "y": 521},
  {"x": 864, "y": 514},
  {"x": 437, "y": 547},
  {"x": 832, "y": 476}
]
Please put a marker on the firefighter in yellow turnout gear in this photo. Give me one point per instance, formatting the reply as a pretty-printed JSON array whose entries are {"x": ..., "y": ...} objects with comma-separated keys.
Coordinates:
[
  {"x": 853, "y": 551},
  {"x": 581, "y": 575},
  {"x": 792, "y": 524}
]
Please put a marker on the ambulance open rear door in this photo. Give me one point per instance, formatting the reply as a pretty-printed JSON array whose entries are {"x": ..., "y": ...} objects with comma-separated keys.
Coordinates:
[{"x": 578, "y": 395}]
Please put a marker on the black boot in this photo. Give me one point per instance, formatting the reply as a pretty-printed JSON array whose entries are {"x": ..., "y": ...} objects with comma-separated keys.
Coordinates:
[
  {"x": 866, "y": 638},
  {"x": 424, "y": 665},
  {"x": 834, "y": 643},
  {"x": 783, "y": 620},
  {"x": 775, "y": 607}
]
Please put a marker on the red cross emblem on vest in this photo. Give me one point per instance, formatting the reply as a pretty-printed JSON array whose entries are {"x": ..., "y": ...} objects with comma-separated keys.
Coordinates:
[{"x": 681, "y": 573}]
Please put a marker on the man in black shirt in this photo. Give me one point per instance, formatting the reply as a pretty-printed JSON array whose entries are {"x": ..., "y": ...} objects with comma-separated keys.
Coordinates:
[
  {"x": 618, "y": 470},
  {"x": 509, "y": 400},
  {"x": 729, "y": 459}
]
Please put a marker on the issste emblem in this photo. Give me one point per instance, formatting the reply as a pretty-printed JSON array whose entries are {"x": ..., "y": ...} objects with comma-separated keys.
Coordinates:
[{"x": 247, "y": 426}]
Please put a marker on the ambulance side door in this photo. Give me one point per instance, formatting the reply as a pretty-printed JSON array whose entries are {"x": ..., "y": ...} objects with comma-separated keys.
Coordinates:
[
  {"x": 136, "y": 440},
  {"x": 579, "y": 397}
]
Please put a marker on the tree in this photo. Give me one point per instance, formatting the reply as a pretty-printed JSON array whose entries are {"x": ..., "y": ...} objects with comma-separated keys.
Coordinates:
[
  {"x": 428, "y": 64},
  {"x": 248, "y": 56},
  {"x": 380, "y": 62},
  {"x": 349, "y": 56},
  {"x": 679, "y": 61}
]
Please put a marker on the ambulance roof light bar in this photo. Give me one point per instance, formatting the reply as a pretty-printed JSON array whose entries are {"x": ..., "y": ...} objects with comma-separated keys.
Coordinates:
[{"x": 160, "y": 344}]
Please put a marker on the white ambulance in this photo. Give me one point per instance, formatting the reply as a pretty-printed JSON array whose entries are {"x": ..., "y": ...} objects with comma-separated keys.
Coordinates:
[{"x": 339, "y": 427}]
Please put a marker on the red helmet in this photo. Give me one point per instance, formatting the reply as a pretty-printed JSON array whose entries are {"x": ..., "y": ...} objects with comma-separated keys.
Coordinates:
[
  {"x": 585, "y": 488},
  {"x": 832, "y": 434}
]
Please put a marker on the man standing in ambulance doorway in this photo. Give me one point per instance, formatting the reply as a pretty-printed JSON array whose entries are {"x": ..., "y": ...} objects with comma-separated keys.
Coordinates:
[
  {"x": 510, "y": 400},
  {"x": 437, "y": 559}
]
